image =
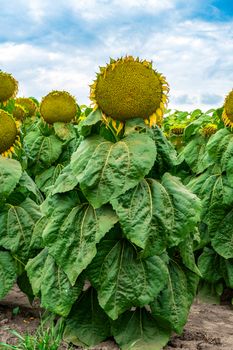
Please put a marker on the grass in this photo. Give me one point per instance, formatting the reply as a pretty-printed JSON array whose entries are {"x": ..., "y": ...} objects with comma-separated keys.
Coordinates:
[{"x": 48, "y": 336}]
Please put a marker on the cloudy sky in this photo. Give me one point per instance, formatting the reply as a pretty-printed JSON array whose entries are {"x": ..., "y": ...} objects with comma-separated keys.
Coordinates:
[{"x": 59, "y": 44}]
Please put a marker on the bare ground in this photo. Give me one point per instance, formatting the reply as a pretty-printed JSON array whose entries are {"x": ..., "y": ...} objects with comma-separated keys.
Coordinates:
[{"x": 210, "y": 327}]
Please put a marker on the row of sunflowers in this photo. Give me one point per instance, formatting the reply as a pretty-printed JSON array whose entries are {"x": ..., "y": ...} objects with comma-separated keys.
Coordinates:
[{"x": 116, "y": 215}]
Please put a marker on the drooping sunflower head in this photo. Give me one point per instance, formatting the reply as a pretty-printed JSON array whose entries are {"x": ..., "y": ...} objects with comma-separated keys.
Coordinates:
[
  {"x": 178, "y": 129},
  {"x": 19, "y": 112},
  {"x": 58, "y": 106},
  {"x": 8, "y": 134},
  {"x": 8, "y": 86},
  {"x": 129, "y": 88},
  {"x": 209, "y": 129},
  {"x": 28, "y": 104},
  {"x": 227, "y": 114}
]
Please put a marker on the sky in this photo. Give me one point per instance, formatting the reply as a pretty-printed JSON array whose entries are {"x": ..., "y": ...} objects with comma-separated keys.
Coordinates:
[{"x": 59, "y": 45}]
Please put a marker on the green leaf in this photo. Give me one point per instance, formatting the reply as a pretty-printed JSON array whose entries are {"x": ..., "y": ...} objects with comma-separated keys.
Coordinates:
[
  {"x": 60, "y": 204},
  {"x": 29, "y": 185},
  {"x": 57, "y": 294},
  {"x": 66, "y": 181},
  {"x": 106, "y": 170},
  {"x": 187, "y": 255},
  {"x": 47, "y": 178},
  {"x": 85, "y": 126},
  {"x": 10, "y": 174},
  {"x": 136, "y": 125},
  {"x": 215, "y": 192},
  {"x": 138, "y": 330},
  {"x": 25, "y": 286},
  {"x": 166, "y": 154},
  {"x": 7, "y": 273},
  {"x": 209, "y": 265},
  {"x": 228, "y": 272},
  {"x": 87, "y": 322},
  {"x": 36, "y": 238},
  {"x": 145, "y": 213},
  {"x": 64, "y": 131},
  {"x": 195, "y": 155},
  {"x": 210, "y": 293},
  {"x": 123, "y": 279},
  {"x": 173, "y": 302},
  {"x": 217, "y": 143},
  {"x": 72, "y": 238},
  {"x": 16, "y": 226},
  {"x": 222, "y": 240},
  {"x": 192, "y": 128},
  {"x": 186, "y": 209},
  {"x": 43, "y": 150},
  {"x": 227, "y": 159}
]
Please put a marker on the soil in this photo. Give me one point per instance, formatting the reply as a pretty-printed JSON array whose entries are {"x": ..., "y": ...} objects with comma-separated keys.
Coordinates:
[{"x": 210, "y": 327}]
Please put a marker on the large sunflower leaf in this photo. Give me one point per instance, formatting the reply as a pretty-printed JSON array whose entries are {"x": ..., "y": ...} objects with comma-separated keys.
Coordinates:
[
  {"x": 7, "y": 273},
  {"x": 187, "y": 254},
  {"x": 59, "y": 203},
  {"x": 28, "y": 185},
  {"x": 10, "y": 174},
  {"x": 145, "y": 214},
  {"x": 166, "y": 157},
  {"x": 138, "y": 330},
  {"x": 106, "y": 170},
  {"x": 209, "y": 265},
  {"x": 72, "y": 238},
  {"x": 195, "y": 154},
  {"x": 186, "y": 209},
  {"x": 227, "y": 160},
  {"x": 87, "y": 323},
  {"x": 228, "y": 272},
  {"x": 173, "y": 302},
  {"x": 47, "y": 178},
  {"x": 57, "y": 294},
  {"x": 213, "y": 189},
  {"x": 66, "y": 181},
  {"x": 65, "y": 131},
  {"x": 36, "y": 238},
  {"x": 123, "y": 279},
  {"x": 16, "y": 226},
  {"x": 222, "y": 240},
  {"x": 41, "y": 149},
  {"x": 85, "y": 126},
  {"x": 218, "y": 143}
]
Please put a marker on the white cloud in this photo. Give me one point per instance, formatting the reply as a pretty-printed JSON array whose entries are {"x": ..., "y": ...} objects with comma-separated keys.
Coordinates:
[
  {"x": 102, "y": 9},
  {"x": 194, "y": 55}
]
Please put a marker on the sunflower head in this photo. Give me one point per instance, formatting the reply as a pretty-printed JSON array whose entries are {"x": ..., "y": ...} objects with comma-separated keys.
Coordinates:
[
  {"x": 19, "y": 112},
  {"x": 178, "y": 129},
  {"x": 209, "y": 129},
  {"x": 28, "y": 104},
  {"x": 58, "y": 106},
  {"x": 129, "y": 88},
  {"x": 8, "y": 134},
  {"x": 8, "y": 86},
  {"x": 227, "y": 114}
]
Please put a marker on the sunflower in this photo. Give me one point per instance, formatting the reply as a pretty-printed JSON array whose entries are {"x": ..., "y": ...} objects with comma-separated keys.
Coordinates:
[
  {"x": 130, "y": 88},
  {"x": 178, "y": 129},
  {"x": 8, "y": 86},
  {"x": 209, "y": 129},
  {"x": 28, "y": 104},
  {"x": 9, "y": 137},
  {"x": 227, "y": 114},
  {"x": 58, "y": 106},
  {"x": 19, "y": 112}
]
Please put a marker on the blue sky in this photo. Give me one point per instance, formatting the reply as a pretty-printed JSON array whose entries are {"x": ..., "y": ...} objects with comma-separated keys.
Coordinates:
[{"x": 59, "y": 45}]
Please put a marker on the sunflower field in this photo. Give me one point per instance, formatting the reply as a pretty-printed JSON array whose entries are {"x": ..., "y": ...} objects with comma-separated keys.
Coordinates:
[{"x": 116, "y": 215}]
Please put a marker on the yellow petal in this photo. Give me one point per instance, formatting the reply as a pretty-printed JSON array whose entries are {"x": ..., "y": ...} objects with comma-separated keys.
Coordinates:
[{"x": 159, "y": 112}]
